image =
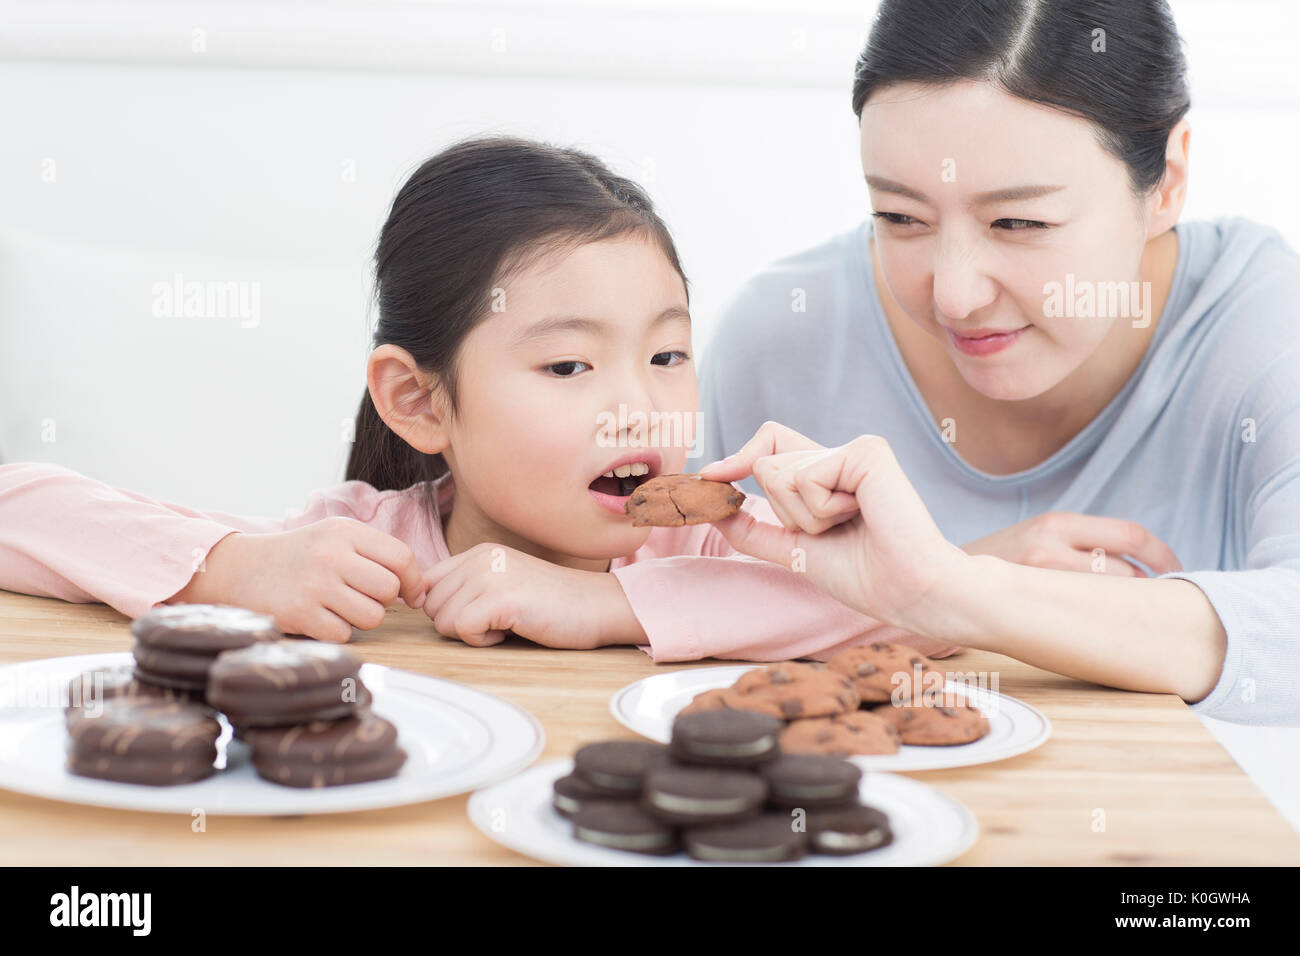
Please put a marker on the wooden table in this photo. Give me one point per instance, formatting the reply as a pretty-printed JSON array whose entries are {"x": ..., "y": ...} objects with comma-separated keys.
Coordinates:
[{"x": 1142, "y": 764}]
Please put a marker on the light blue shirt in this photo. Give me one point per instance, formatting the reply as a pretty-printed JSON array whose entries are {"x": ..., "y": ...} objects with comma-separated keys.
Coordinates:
[{"x": 1201, "y": 446}]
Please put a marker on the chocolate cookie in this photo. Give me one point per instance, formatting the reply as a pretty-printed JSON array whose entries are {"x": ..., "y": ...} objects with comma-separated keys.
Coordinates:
[
  {"x": 791, "y": 690},
  {"x": 88, "y": 690},
  {"x": 848, "y": 830},
  {"x": 935, "y": 724},
  {"x": 278, "y": 683},
  {"x": 618, "y": 767},
  {"x": 844, "y": 735},
  {"x": 622, "y": 825},
  {"x": 877, "y": 669},
  {"x": 706, "y": 700},
  {"x": 769, "y": 838},
  {"x": 355, "y": 749},
  {"x": 570, "y": 792},
  {"x": 175, "y": 644},
  {"x": 669, "y": 501},
  {"x": 810, "y": 781},
  {"x": 152, "y": 742},
  {"x": 725, "y": 738},
  {"x": 691, "y": 796}
]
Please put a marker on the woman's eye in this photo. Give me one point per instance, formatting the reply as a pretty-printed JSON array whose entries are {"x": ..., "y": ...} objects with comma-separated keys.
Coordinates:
[
  {"x": 566, "y": 369},
  {"x": 668, "y": 355},
  {"x": 1018, "y": 224},
  {"x": 897, "y": 218}
]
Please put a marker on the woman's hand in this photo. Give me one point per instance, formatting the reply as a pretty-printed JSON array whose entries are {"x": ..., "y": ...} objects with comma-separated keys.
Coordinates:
[
  {"x": 320, "y": 580},
  {"x": 852, "y": 521},
  {"x": 480, "y": 594},
  {"x": 1067, "y": 540}
]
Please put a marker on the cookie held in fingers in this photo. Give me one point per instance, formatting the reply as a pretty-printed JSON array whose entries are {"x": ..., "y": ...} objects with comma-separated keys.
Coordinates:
[
  {"x": 670, "y": 501},
  {"x": 330, "y": 753},
  {"x": 844, "y": 735},
  {"x": 881, "y": 668},
  {"x": 275, "y": 684},
  {"x": 937, "y": 725},
  {"x": 792, "y": 690},
  {"x": 143, "y": 741}
]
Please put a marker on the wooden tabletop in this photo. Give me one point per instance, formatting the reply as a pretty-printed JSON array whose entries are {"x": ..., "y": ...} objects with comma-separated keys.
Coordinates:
[{"x": 1125, "y": 779}]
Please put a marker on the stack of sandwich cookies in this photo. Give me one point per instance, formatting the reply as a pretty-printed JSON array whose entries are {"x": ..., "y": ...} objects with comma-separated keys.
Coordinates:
[
  {"x": 305, "y": 713},
  {"x": 153, "y": 742},
  {"x": 279, "y": 683},
  {"x": 176, "y": 644},
  {"x": 721, "y": 789}
]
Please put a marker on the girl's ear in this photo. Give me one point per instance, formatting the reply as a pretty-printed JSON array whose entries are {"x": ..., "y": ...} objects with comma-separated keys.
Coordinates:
[{"x": 407, "y": 399}]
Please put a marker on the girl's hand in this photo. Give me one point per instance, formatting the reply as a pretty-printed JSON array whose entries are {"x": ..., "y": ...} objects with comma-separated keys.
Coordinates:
[
  {"x": 480, "y": 594},
  {"x": 852, "y": 519},
  {"x": 1065, "y": 541},
  {"x": 320, "y": 580}
]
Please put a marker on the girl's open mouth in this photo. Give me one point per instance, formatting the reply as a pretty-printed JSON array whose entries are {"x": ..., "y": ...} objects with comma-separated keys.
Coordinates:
[{"x": 611, "y": 490}]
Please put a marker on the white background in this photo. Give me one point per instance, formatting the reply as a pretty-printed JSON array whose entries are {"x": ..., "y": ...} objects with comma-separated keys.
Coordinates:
[{"x": 228, "y": 165}]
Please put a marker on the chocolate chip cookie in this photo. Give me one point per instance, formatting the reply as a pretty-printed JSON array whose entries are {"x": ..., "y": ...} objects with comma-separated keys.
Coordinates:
[
  {"x": 844, "y": 735},
  {"x": 670, "y": 501},
  {"x": 792, "y": 690},
  {"x": 877, "y": 669}
]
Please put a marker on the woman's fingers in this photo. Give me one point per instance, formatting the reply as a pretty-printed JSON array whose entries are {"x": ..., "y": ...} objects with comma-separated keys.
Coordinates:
[
  {"x": 758, "y": 539},
  {"x": 1117, "y": 536},
  {"x": 772, "y": 438}
]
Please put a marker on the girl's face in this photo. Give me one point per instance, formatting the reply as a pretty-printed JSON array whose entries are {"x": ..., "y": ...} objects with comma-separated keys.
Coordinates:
[
  {"x": 985, "y": 206},
  {"x": 584, "y": 366}
]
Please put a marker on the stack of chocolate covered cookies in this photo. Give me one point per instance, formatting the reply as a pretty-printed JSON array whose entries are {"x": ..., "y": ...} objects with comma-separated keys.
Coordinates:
[
  {"x": 301, "y": 706},
  {"x": 723, "y": 791},
  {"x": 865, "y": 700}
]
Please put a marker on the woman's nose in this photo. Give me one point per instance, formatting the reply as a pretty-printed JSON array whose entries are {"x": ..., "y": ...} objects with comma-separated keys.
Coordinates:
[{"x": 961, "y": 284}]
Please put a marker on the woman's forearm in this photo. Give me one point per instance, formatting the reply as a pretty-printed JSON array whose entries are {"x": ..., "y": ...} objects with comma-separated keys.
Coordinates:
[{"x": 1143, "y": 634}]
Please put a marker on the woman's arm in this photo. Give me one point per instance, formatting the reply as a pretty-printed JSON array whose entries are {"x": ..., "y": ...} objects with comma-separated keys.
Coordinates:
[{"x": 1155, "y": 635}]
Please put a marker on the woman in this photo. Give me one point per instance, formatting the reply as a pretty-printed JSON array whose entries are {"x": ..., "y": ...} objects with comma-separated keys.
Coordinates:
[{"x": 1058, "y": 375}]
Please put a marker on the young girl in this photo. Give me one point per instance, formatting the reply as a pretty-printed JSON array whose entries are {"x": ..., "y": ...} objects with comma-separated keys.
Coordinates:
[{"x": 533, "y": 330}]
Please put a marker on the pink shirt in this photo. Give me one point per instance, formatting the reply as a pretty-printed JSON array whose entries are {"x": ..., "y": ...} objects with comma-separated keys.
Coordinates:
[{"x": 68, "y": 536}]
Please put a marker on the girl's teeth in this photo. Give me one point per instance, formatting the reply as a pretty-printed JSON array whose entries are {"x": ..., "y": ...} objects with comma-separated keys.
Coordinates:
[{"x": 625, "y": 471}]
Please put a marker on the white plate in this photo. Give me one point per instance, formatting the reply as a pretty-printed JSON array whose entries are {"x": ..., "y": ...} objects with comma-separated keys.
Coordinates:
[
  {"x": 929, "y": 827},
  {"x": 649, "y": 706},
  {"x": 456, "y": 738}
]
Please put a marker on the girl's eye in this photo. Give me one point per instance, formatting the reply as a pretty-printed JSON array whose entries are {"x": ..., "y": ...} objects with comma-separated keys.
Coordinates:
[
  {"x": 566, "y": 369},
  {"x": 897, "y": 218},
  {"x": 669, "y": 355},
  {"x": 1019, "y": 224}
]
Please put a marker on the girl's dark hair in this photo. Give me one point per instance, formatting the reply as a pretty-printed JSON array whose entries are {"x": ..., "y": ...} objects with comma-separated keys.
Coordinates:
[
  {"x": 1043, "y": 51},
  {"x": 466, "y": 220}
]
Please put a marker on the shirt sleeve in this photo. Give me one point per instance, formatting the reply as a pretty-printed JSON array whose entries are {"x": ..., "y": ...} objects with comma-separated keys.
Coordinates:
[
  {"x": 696, "y": 597},
  {"x": 68, "y": 536},
  {"x": 1259, "y": 605}
]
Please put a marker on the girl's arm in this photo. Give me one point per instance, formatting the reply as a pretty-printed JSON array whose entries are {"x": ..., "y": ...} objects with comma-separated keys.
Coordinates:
[{"x": 68, "y": 536}]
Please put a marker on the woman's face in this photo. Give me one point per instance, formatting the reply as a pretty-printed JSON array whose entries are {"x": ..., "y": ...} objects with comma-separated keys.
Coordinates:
[
  {"x": 994, "y": 214},
  {"x": 585, "y": 365}
]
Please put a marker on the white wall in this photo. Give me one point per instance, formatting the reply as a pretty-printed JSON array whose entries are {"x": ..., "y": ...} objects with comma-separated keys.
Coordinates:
[{"x": 227, "y": 163}]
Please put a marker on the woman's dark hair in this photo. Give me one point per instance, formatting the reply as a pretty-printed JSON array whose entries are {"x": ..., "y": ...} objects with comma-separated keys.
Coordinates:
[
  {"x": 466, "y": 220},
  {"x": 1133, "y": 88}
]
